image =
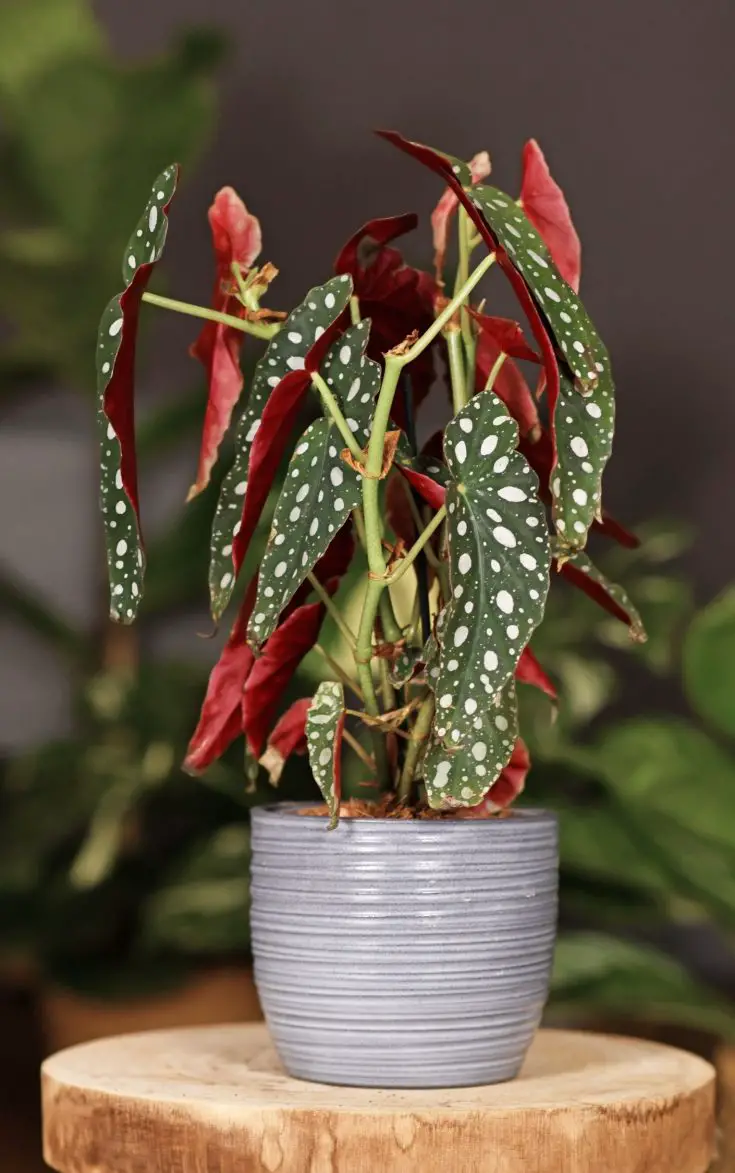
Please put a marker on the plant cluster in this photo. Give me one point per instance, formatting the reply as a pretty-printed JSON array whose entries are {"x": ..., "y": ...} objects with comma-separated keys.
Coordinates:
[{"x": 476, "y": 518}]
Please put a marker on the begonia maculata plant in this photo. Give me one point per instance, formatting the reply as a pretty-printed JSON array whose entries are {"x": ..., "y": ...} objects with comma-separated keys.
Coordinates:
[{"x": 479, "y": 519}]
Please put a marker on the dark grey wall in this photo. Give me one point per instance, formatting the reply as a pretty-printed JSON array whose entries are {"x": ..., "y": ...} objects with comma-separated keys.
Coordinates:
[{"x": 632, "y": 101}]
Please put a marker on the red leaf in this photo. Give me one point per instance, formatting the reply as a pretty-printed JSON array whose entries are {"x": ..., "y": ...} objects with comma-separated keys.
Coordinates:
[
  {"x": 543, "y": 202},
  {"x": 529, "y": 671},
  {"x": 396, "y": 297},
  {"x": 220, "y": 721},
  {"x": 512, "y": 780},
  {"x": 441, "y": 166},
  {"x": 274, "y": 669},
  {"x": 509, "y": 385},
  {"x": 288, "y": 737},
  {"x": 446, "y": 209},
  {"x": 607, "y": 595},
  {"x": 237, "y": 239},
  {"x": 431, "y": 491},
  {"x": 507, "y": 335}
]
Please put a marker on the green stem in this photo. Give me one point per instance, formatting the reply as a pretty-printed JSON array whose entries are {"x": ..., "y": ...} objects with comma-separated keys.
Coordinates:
[
  {"x": 354, "y": 310},
  {"x": 256, "y": 329},
  {"x": 363, "y": 657},
  {"x": 456, "y": 369},
  {"x": 332, "y": 609},
  {"x": 416, "y": 548},
  {"x": 362, "y": 754},
  {"x": 419, "y": 733},
  {"x": 495, "y": 370},
  {"x": 333, "y": 408},
  {"x": 446, "y": 315},
  {"x": 392, "y": 633},
  {"x": 464, "y": 228},
  {"x": 339, "y": 671}
]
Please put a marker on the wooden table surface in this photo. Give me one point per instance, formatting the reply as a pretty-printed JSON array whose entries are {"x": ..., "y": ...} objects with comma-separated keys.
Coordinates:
[{"x": 215, "y": 1100}]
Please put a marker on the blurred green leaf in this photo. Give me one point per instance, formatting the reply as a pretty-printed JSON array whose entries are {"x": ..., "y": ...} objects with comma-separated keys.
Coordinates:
[
  {"x": 18, "y": 600},
  {"x": 203, "y": 905},
  {"x": 709, "y": 663},
  {"x": 605, "y": 974},
  {"x": 35, "y": 35}
]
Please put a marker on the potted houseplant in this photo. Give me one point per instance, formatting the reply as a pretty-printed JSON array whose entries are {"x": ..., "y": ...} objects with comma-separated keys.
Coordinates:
[{"x": 411, "y": 945}]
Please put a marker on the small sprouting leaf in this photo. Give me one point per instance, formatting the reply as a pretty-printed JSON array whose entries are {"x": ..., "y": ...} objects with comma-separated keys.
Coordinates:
[
  {"x": 320, "y": 489},
  {"x": 581, "y": 571},
  {"x": 583, "y": 433},
  {"x": 288, "y": 737},
  {"x": 116, "y": 403},
  {"x": 405, "y": 666},
  {"x": 461, "y": 775},
  {"x": 324, "y": 727},
  {"x": 499, "y": 561},
  {"x": 243, "y": 492}
]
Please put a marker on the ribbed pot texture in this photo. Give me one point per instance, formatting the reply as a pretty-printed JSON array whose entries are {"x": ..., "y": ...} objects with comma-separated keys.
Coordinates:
[{"x": 403, "y": 953}]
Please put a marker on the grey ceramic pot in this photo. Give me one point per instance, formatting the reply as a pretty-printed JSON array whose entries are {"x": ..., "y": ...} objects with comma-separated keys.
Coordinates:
[{"x": 403, "y": 953}]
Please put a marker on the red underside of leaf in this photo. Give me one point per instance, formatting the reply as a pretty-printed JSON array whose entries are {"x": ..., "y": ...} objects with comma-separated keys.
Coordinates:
[
  {"x": 236, "y": 238},
  {"x": 512, "y": 780},
  {"x": 220, "y": 721},
  {"x": 431, "y": 492},
  {"x": 273, "y": 671},
  {"x": 396, "y": 297},
  {"x": 441, "y": 166},
  {"x": 509, "y": 385},
  {"x": 289, "y": 734},
  {"x": 529, "y": 671},
  {"x": 544, "y": 203},
  {"x": 594, "y": 590},
  {"x": 507, "y": 335}
]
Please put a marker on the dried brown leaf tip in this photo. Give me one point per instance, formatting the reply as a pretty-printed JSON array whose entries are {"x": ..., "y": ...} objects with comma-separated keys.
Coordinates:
[
  {"x": 404, "y": 347},
  {"x": 390, "y": 445}
]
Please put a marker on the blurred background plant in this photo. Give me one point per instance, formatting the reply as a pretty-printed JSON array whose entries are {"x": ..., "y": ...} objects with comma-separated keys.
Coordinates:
[
  {"x": 117, "y": 873},
  {"x": 646, "y": 801}
]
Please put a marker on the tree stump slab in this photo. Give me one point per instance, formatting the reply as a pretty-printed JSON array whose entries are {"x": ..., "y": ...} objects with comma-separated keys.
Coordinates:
[{"x": 216, "y": 1100}]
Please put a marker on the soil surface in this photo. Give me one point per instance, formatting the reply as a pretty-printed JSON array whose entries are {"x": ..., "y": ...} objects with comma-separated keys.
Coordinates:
[{"x": 390, "y": 807}]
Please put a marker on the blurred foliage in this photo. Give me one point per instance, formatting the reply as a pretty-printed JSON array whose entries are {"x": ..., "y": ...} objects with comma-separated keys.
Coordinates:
[
  {"x": 645, "y": 803},
  {"x": 117, "y": 872}
]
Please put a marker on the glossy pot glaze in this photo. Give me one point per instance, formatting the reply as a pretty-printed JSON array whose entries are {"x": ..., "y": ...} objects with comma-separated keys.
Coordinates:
[{"x": 403, "y": 953}]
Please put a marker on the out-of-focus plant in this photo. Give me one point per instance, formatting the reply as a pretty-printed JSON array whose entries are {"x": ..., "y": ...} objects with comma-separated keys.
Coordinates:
[
  {"x": 646, "y": 804},
  {"x": 98, "y": 878}
]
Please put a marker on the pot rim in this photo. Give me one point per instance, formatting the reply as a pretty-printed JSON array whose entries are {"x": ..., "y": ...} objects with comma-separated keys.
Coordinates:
[{"x": 275, "y": 811}]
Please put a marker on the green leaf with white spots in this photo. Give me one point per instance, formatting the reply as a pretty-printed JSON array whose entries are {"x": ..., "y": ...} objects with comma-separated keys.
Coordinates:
[
  {"x": 286, "y": 352},
  {"x": 320, "y": 490},
  {"x": 499, "y": 560},
  {"x": 462, "y": 775},
  {"x": 324, "y": 726},
  {"x": 115, "y": 389},
  {"x": 583, "y": 427},
  {"x": 583, "y": 349},
  {"x": 583, "y": 432}
]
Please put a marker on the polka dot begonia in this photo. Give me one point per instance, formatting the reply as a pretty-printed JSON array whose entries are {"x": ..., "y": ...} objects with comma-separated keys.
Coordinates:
[{"x": 324, "y": 727}]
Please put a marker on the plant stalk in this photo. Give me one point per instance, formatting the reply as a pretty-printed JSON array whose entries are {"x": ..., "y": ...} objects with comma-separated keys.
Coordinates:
[
  {"x": 256, "y": 329},
  {"x": 333, "y": 409},
  {"x": 457, "y": 374},
  {"x": 495, "y": 370},
  {"x": 419, "y": 733},
  {"x": 332, "y": 610}
]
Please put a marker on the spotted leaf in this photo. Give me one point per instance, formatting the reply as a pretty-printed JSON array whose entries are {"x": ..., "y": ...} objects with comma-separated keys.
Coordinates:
[
  {"x": 581, "y": 572},
  {"x": 584, "y": 430},
  {"x": 243, "y": 492},
  {"x": 324, "y": 727},
  {"x": 499, "y": 561},
  {"x": 508, "y": 786},
  {"x": 320, "y": 489},
  {"x": 462, "y": 775},
  {"x": 116, "y": 403},
  {"x": 406, "y": 666}
]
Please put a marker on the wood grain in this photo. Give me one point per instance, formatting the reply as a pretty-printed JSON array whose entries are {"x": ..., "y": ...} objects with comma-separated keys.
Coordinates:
[{"x": 215, "y": 1100}]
